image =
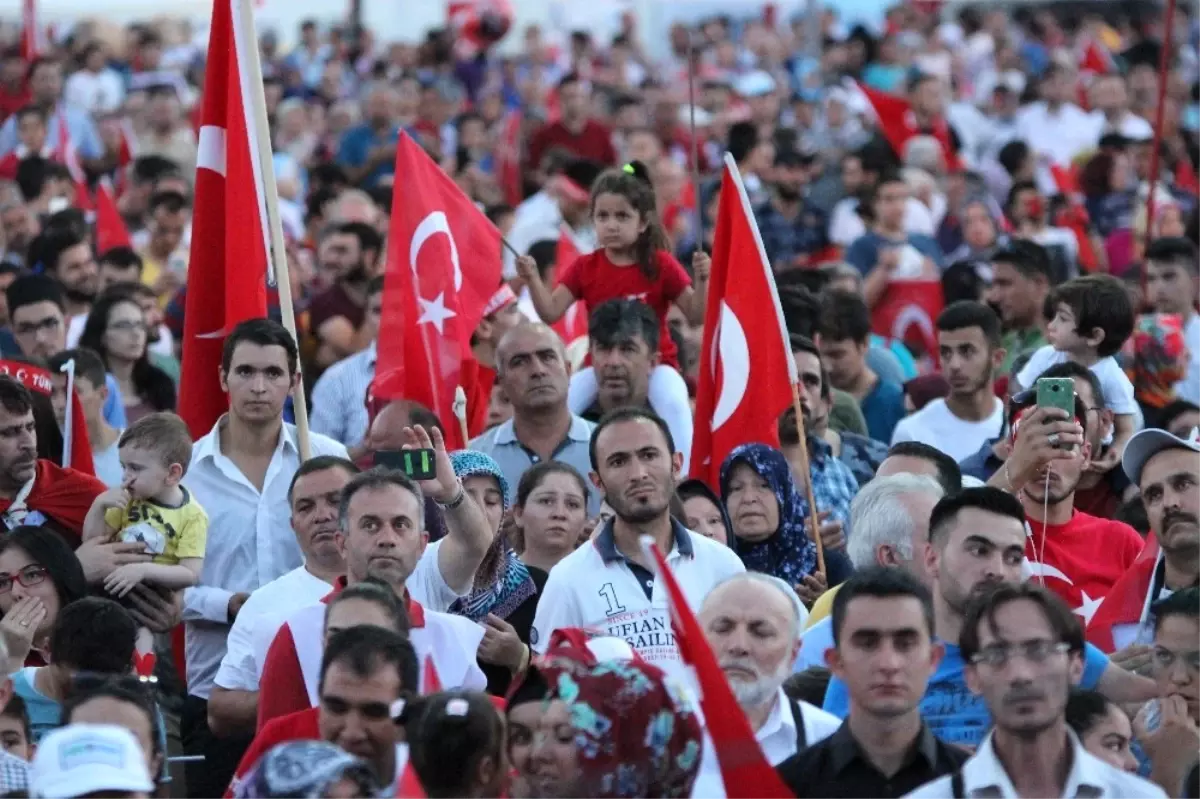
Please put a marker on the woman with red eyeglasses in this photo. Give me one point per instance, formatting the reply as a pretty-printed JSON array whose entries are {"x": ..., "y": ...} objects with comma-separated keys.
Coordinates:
[{"x": 39, "y": 575}]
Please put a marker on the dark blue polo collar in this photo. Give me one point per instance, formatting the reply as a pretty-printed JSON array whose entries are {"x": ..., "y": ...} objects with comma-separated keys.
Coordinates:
[{"x": 606, "y": 543}]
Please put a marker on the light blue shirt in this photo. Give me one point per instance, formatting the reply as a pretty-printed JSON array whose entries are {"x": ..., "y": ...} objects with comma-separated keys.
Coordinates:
[
  {"x": 514, "y": 457},
  {"x": 80, "y": 128},
  {"x": 956, "y": 715},
  {"x": 114, "y": 406}
]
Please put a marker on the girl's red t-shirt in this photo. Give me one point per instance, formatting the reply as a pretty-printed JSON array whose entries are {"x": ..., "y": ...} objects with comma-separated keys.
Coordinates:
[{"x": 594, "y": 279}]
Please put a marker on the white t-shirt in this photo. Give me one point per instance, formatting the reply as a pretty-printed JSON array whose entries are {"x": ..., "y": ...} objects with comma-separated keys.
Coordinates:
[
  {"x": 937, "y": 426},
  {"x": 1118, "y": 391},
  {"x": 604, "y": 596},
  {"x": 108, "y": 464},
  {"x": 239, "y": 668},
  {"x": 845, "y": 225}
]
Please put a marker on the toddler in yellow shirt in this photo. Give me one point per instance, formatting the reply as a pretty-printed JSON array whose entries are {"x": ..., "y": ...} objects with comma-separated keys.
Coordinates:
[{"x": 151, "y": 507}]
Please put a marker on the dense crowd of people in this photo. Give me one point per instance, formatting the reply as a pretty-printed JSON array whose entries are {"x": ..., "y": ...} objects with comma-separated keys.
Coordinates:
[{"x": 966, "y": 562}]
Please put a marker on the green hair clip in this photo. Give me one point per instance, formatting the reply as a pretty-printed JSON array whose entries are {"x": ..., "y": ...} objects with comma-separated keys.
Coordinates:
[{"x": 628, "y": 169}]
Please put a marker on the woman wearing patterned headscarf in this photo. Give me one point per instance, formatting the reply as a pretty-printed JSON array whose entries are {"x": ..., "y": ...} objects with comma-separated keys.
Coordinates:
[
  {"x": 502, "y": 582},
  {"x": 769, "y": 515},
  {"x": 614, "y": 728},
  {"x": 308, "y": 769}
]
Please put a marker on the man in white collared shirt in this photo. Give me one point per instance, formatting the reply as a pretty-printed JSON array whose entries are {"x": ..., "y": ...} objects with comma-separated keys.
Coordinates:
[
  {"x": 752, "y": 622},
  {"x": 240, "y": 473},
  {"x": 1024, "y": 648},
  {"x": 313, "y": 495}
]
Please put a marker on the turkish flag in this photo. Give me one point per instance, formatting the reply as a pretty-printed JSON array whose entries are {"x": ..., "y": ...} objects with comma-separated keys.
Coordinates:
[
  {"x": 907, "y": 313},
  {"x": 228, "y": 259},
  {"x": 443, "y": 267},
  {"x": 898, "y": 124},
  {"x": 110, "y": 225},
  {"x": 574, "y": 323},
  {"x": 508, "y": 158},
  {"x": 739, "y": 399},
  {"x": 744, "y": 768},
  {"x": 35, "y": 378},
  {"x": 33, "y": 38}
]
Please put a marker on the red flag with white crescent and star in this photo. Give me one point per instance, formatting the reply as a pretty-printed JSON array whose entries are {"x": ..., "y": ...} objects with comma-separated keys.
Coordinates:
[
  {"x": 739, "y": 399},
  {"x": 111, "y": 230},
  {"x": 443, "y": 267},
  {"x": 228, "y": 259}
]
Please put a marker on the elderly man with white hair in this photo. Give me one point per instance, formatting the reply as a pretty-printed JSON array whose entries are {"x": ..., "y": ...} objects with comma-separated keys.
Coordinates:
[
  {"x": 894, "y": 516},
  {"x": 752, "y": 622}
]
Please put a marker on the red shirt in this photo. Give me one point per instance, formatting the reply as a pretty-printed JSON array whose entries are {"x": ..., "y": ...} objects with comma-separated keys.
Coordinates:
[
  {"x": 13, "y": 101},
  {"x": 594, "y": 143},
  {"x": 299, "y": 726},
  {"x": 594, "y": 279},
  {"x": 1082, "y": 559},
  {"x": 59, "y": 499}
]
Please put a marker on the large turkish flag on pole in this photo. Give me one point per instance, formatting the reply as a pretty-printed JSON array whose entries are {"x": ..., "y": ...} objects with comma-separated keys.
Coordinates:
[
  {"x": 443, "y": 266},
  {"x": 227, "y": 265},
  {"x": 746, "y": 366}
]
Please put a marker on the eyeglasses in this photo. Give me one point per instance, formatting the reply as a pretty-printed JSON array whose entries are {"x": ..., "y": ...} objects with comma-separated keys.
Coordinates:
[
  {"x": 30, "y": 575},
  {"x": 1164, "y": 659},
  {"x": 997, "y": 656},
  {"x": 128, "y": 326}
]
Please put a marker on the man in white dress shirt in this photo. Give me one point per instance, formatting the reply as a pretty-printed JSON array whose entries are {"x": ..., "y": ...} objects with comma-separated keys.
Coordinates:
[
  {"x": 314, "y": 495},
  {"x": 240, "y": 474},
  {"x": 1023, "y": 649},
  {"x": 752, "y": 622}
]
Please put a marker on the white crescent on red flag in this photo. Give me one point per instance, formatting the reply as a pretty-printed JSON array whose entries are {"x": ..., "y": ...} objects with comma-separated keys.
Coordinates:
[
  {"x": 443, "y": 267},
  {"x": 908, "y": 312},
  {"x": 227, "y": 264},
  {"x": 746, "y": 367}
]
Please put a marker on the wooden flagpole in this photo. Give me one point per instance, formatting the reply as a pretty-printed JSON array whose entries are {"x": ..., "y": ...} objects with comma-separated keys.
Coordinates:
[
  {"x": 1164, "y": 65},
  {"x": 277, "y": 255}
]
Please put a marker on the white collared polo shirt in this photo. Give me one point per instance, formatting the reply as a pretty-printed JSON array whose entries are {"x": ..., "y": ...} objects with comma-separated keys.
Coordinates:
[{"x": 597, "y": 589}]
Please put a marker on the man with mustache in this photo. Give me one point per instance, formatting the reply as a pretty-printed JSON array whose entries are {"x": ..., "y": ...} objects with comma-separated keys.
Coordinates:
[
  {"x": 1167, "y": 470},
  {"x": 977, "y": 541},
  {"x": 1024, "y": 649},
  {"x": 348, "y": 259},
  {"x": 752, "y": 623},
  {"x": 1074, "y": 554},
  {"x": 314, "y": 495},
  {"x": 609, "y": 586}
]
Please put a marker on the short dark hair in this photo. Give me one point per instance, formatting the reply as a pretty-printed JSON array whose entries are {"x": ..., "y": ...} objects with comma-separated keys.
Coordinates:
[
  {"x": 1096, "y": 301},
  {"x": 627, "y": 414},
  {"x": 365, "y": 649},
  {"x": 16, "y": 709},
  {"x": 14, "y": 397},
  {"x": 805, "y": 344},
  {"x": 741, "y": 140},
  {"x": 87, "y": 365},
  {"x": 377, "y": 593},
  {"x": 1085, "y": 709},
  {"x": 93, "y": 634},
  {"x": 162, "y": 433},
  {"x": 152, "y": 168},
  {"x": 122, "y": 258},
  {"x": 532, "y": 477},
  {"x": 32, "y": 289},
  {"x": 880, "y": 582},
  {"x": 264, "y": 333},
  {"x": 31, "y": 110},
  {"x": 982, "y": 608},
  {"x": 1028, "y": 258},
  {"x": 844, "y": 315},
  {"x": 1185, "y": 602},
  {"x": 969, "y": 313},
  {"x": 54, "y": 241},
  {"x": 984, "y": 498},
  {"x": 376, "y": 478},
  {"x": 128, "y": 690},
  {"x": 949, "y": 475},
  {"x": 1173, "y": 250},
  {"x": 321, "y": 463},
  {"x": 368, "y": 237},
  {"x": 447, "y": 748},
  {"x": 169, "y": 200},
  {"x": 48, "y": 549},
  {"x": 622, "y": 320},
  {"x": 1173, "y": 410}
]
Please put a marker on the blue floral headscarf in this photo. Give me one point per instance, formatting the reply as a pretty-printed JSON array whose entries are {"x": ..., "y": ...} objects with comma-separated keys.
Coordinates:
[
  {"x": 788, "y": 554},
  {"x": 502, "y": 582}
]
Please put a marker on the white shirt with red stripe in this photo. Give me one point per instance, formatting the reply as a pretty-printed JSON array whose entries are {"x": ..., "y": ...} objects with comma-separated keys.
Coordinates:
[{"x": 450, "y": 641}]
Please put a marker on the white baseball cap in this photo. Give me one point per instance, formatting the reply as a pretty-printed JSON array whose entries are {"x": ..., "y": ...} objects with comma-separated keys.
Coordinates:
[
  {"x": 1148, "y": 443},
  {"x": 80, "y": 759}
]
